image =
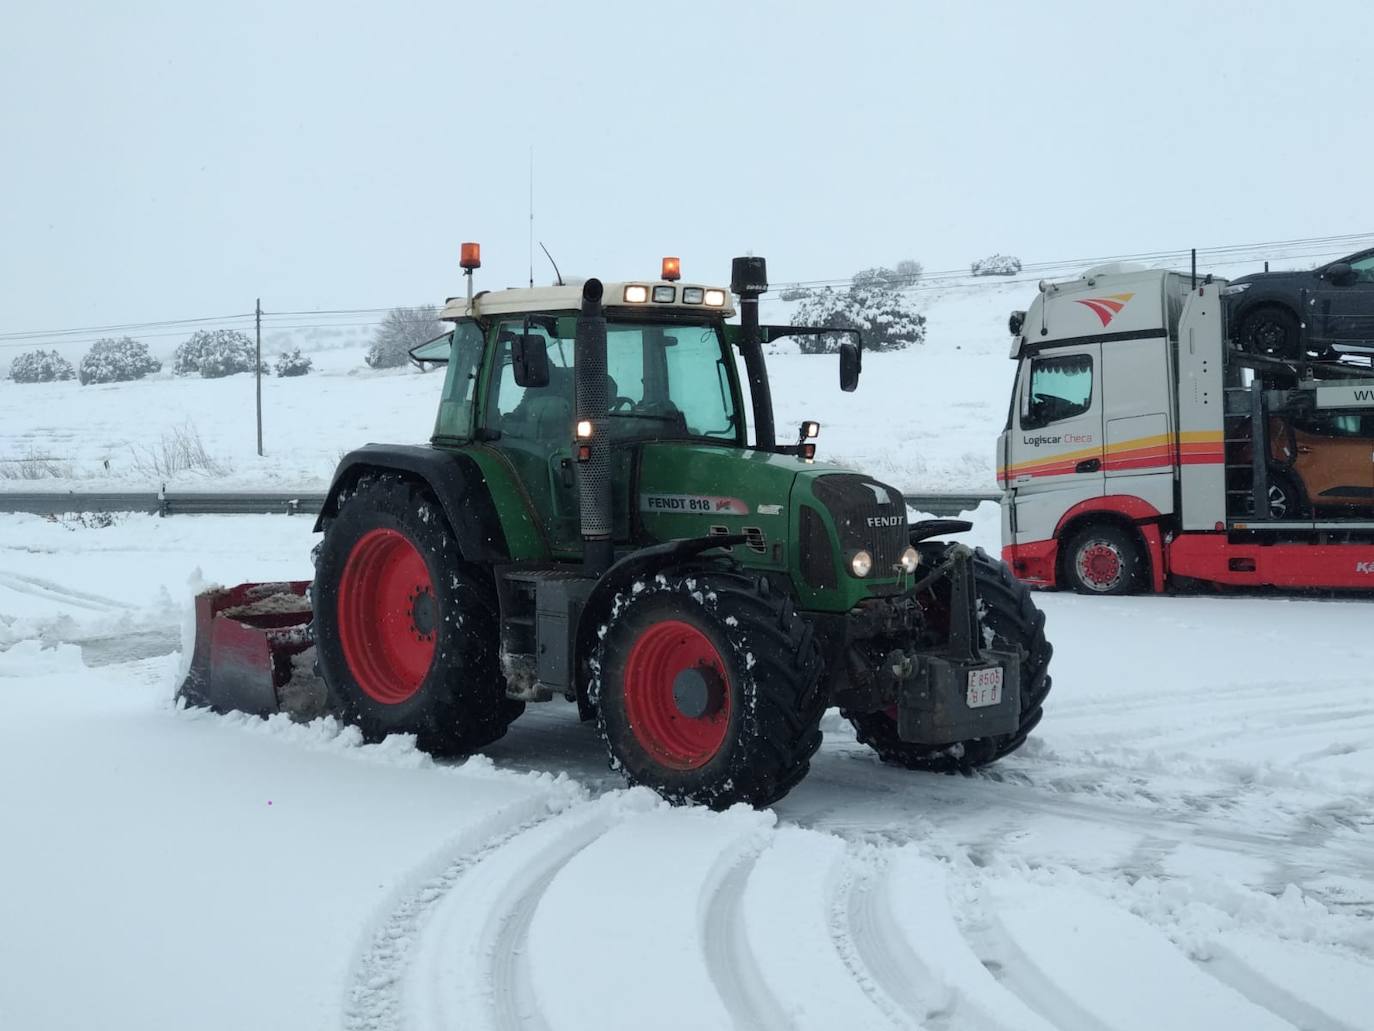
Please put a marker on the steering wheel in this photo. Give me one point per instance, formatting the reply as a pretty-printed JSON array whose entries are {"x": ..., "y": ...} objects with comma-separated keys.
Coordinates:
[{"x": 620, "y": 401}]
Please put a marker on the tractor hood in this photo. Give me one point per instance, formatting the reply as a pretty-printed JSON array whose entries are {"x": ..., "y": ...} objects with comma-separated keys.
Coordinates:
[{"x": 805, "y": 518}]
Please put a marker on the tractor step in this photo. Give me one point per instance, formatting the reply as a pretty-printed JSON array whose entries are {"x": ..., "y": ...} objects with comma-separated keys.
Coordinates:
[{"x": 250, "y": 651}]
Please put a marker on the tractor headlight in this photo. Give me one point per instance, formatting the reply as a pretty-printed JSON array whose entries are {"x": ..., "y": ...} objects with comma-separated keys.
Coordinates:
[
  {"x": 861, "y": 564},
  {"x": 636, "y": 294},
  {"x": 911, "y": 558},
  {"x": 715, "y": 298}
]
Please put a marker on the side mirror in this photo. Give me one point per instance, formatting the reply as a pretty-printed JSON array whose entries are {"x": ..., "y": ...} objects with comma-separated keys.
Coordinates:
[
  {"x": 851, "y": 364},
  {"x": 530, "y": 360},
  {"x": 1339, "y": 273}
]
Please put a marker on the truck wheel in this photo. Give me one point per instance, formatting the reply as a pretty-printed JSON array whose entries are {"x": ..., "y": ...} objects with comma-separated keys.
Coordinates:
[
  {"x": 406, "y": 637},
  {"x": 707, "y": 687},
  {"x": 1005, "y": 607},
  {"x": 1103, "y": 558},
  {"x": 1271, "y": 330}
]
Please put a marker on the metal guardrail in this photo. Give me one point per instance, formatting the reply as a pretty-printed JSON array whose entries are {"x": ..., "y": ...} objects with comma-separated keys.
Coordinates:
[
  {"x": 162, "y": 503},
  {"x": 286, "y": 503}
]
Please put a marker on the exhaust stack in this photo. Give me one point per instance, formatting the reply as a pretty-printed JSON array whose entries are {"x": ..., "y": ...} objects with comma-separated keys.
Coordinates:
[{"x": 593, "y": 450}]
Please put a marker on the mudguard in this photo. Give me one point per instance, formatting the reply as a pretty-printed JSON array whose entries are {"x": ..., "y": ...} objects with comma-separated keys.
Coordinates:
[
  {"x": 928, "y": 528},
  {"x": 456, "y": 480}
]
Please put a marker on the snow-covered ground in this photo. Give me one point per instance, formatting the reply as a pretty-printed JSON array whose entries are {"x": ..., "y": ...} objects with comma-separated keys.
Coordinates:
[
  {"x": 925, "y": 419},
  {"x": 1186, "y": 842}
]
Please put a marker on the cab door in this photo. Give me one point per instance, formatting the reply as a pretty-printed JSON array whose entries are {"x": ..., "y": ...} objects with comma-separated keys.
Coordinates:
[{"x": 1055, "y": 447}]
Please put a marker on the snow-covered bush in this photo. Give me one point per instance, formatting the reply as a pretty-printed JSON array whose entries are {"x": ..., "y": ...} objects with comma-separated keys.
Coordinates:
[
  {"x": 884, "y": 316},
  {"x": 40, "y": 367},
  {"x": 907, "y": 273},
  {"x": 996, "y": 265},
  {"x": 214, "y": 353},
  {"x": 112, "y": 360},
  {"x": 293, "y": 363},
  {"x": 402, "y": 329}
]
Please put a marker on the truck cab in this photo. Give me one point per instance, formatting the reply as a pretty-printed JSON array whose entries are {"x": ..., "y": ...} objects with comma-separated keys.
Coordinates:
[{"x": 1143, "y": 443}]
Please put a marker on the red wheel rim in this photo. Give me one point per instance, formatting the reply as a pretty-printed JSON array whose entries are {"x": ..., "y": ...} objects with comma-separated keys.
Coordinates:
[
  {"x": 662, "y": 653},
  {"x": 388, "y": 616},
  {"x": 1099, "y": 563}
]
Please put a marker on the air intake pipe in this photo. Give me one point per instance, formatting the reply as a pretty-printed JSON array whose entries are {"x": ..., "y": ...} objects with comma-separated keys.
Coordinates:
[
  {"x": 593, "y": 449},
  {"x": 749, "y": 280}
]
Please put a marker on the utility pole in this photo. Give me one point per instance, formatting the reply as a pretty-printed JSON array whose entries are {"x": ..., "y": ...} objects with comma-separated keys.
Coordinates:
[{"x": 257, "y": 371}]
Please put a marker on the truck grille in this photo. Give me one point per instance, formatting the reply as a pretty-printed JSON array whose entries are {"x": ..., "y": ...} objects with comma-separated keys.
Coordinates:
[{"x": 868, "y": 515}]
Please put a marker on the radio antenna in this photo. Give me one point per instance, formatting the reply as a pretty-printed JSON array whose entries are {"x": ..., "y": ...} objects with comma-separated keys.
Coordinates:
[
  {"x": 551, "y": 262},
  {"x": 532, "y": 215}
]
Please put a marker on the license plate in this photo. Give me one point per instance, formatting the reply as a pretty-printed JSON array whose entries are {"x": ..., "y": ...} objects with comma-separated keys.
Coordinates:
[{"x": 984, "y": 687}]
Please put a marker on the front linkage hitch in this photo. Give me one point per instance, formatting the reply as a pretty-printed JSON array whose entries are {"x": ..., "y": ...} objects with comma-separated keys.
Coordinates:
[{"x": 944, "y": 692}]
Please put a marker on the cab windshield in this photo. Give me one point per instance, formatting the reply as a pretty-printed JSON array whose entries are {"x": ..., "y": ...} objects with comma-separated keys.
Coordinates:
[{"x": 666, "y": 380}]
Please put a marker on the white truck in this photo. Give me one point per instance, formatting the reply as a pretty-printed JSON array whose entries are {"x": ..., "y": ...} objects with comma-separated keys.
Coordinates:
[{"x": 1142, "y": 447}]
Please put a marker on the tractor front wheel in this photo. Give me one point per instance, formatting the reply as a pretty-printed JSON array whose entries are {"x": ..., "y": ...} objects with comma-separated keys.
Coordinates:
[
  {"x": 405, "y": 634},
  {"x": 707, "y": 688}
]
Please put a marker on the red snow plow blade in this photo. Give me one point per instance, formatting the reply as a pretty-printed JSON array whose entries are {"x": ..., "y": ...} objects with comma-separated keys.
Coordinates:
[{"x": 251, "y": 650}]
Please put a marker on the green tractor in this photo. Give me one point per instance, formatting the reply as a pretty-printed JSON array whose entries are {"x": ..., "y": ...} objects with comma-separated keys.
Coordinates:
[{"x": 591, "y": 522}]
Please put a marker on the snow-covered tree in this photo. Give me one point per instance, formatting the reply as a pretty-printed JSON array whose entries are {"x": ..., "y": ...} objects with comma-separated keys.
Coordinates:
[
  {"x": 402, "y": 329},
  {"x": 996, "y": 265},
  {"x": 117, "y": 360},
  {"x": 882, "y": 314},
  {"x": 214, "y": 353},
  {"x": 293, "y": 363},
  {"x": 40, "y": 367}
]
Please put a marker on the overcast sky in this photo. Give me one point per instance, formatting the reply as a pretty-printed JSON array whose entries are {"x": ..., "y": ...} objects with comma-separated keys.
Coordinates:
[{"x": 174, "y": 160}]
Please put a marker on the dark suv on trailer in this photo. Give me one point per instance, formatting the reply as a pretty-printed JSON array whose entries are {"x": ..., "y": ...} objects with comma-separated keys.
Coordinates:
[{"x": 1336, "y": 302}]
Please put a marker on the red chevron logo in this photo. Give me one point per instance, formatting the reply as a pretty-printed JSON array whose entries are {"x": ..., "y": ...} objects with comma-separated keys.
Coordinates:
[{"x": 1106, "y": 308}]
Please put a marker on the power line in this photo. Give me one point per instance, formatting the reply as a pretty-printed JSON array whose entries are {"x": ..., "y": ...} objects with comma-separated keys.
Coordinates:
[{"x": 365, "y": 318}]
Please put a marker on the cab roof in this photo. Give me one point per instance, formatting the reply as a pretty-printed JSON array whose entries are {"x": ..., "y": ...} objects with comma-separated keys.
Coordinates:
[{"x": 569, "y": 298}]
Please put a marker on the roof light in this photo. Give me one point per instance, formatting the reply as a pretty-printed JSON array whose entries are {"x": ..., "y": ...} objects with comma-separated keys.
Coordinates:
[
  {"x": 810, "y": 429},
  {"x": 470, "y": 256},
  {"x": 672, "y": 269},
  {"x": 664, "y": 294},
  {"x": 692, "y": 294},
  {"x": 636, "y": 294},
  {"x": 715, "y": 297}
]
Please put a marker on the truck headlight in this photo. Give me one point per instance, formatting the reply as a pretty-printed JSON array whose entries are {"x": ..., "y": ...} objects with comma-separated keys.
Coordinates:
[
  {"x": 861, "y": 564},
  {"x": 911, "y": 558}
]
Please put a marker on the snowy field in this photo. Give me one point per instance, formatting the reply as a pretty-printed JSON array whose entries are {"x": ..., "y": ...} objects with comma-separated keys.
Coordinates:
[
  {"x": 939, "y": 406},
  {"x": 1185, "y": 843}
]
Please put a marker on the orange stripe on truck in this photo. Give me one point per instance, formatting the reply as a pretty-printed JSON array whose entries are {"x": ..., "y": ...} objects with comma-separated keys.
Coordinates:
[{"x": 1195, "y": 447}]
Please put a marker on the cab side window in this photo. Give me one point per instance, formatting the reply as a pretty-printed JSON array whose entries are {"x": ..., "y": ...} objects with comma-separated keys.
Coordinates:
[
  {"x": 1060, "y": 388},
  {"x": 460, "y": 382}
]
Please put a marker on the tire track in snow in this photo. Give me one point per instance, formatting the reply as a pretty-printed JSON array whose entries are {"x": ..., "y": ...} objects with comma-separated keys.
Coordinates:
[
  {"x": 640, "y": 892},
  {"x": 470, "y": 965},
  {"x": 372, "y": 1002},
  {"x": 729, "y": 959},
  {"x": 863, "y": 952},
  {"x": 984, "y": 795},
  {"x": 37, "y": 587},
  {"x": 1087, "y": 965},
  {"x": 785, "y": 913},
  {"x": 1317, "y": 990}
]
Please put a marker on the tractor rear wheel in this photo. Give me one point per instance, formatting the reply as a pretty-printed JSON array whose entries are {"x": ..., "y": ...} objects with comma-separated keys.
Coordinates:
[
  {"x": 707, "y": 686},
  {"x": 406, "y": 635},
  {"x": 1006, "y": 608}
]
